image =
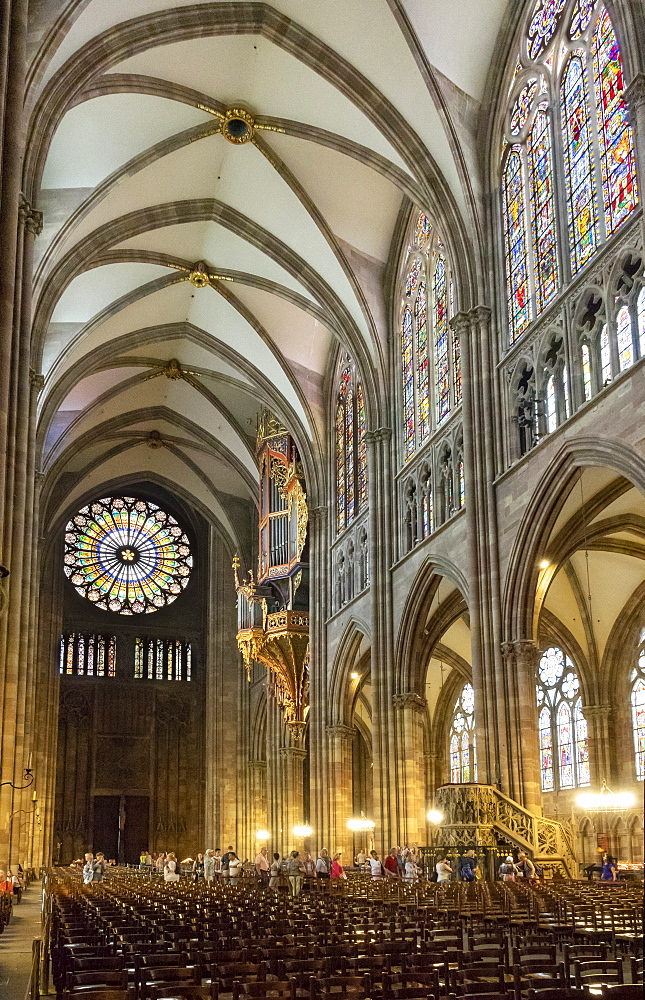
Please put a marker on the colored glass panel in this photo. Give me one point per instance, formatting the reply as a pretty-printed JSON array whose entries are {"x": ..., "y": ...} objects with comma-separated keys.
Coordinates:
[
  {"x": 580, "y": 18},
  {"x": 362, "y": 448},
  {"x": 638, "y": 721},
  {"x": 586, "y": 371},
  {"x": 543, "y": 209},
  {"x": 546, "y": 750},
  {"x": 412, "y": 279},
  {"x": 421, "y": 345},
  {"x": 543, "y": 23},
  {"x": 605, "y": 357},
  {"x": 80, "y": 655},
  {"x": 640, "y": 319},
  {"x": 138, "y": 658},
  {"x": 565, "y": 391},
  {"x": 551, "y": 666},
  {"x": 340, "y": 467},
  {"x": 463, "y": 756},
  {"x": 522, "y": 107},
  {"x": 127, "y": 555},
  {"x": 565, "y": 746},
  {"x": 580, "y": 193},
  {"x": 442, "y": 372},
  {"x": 620, "y": 194},
  {"x": 462, "y": 485},
  {"x": 550, "y": 406},
  {"x": 515, "y": 241},
  {"x": 582, "y": 746},
  {"x": 624, "y": 338},
  {"x": 89, "y": 668},
  {"x": 350, "y": 471},
  {"x": 408, "y": 381},
  {"x": 111, "y": 657},
  {"x": 455, "y": 760},
  {"x": 100, "y": 659},
  {"x": 456, "y": 368},
  {"x": 422, "y": 231}
]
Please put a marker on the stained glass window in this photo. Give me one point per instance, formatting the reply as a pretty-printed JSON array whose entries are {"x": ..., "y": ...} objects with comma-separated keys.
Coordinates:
[
  {"x": 522, "y": 107},
  {"x": 351, "y": 448},
  {"x": 84, "y": 655},
  {"x": 462, "y": 484},
  {"x": 586, "y": 371},
  {"x": 127, "y": 555},
  {"x": 605, "y": 356},
  {"x": 413, "y": 276},
  {"x": 442, "y": 374},
  {"x": 543, "y": 24},
  {"x": 421, "y": 337},
  {"x": 462, "y": 743},
  {"x": 422, "y": 231},
  {"x": 640, "y": 319},
  {"x": 624, "y": 338},
  {"x": 519, "y": 300},
  {"x": 162, "y": 659},
  {"x": 580, "y": 18},
  {"x": 545, "y": 245},
  {"x": 581, "y": 202},
  {"x": 615, "y": 134},
  {"x": 638, "y": 713},
  {"x": 408, "y": 381},
  {"x": 562, "y": 726}
]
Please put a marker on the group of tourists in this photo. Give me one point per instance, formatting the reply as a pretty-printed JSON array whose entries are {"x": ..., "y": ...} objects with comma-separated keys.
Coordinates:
[{"x": 11, "y": 883}]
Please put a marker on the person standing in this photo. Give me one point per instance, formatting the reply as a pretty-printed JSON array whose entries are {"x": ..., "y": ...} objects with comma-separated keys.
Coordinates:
[
  {"x": 225, "y": 861},
  {"x": 209, "y": 865},
  {"x": 160, "y": 863},
  {"x": 323, "y": 864},
  {"x": 525, "y": 866},
  {"x": 170, "y": 873},
  {"x": 198, "y": 867},
  {"x": 98, "y": 869},
  {"x": 391, "y": 864},
  {"x": 310, "y": 866},
  {"x": 234, "y": 866},
  {"x": 274, "y": 872},
  {"x": 217, "y": 861},
  {"x": 411, "y": 872},
  {"x": 88, "y": 868},
  {"x": 376, "y": 868},
  {"x": 361, "y": 858},
  {"x": 262, "y": 865},
  {"x": 468, "y": 867},
  {"x": 295, "y": 873},
  {"x": 609, "y": 871},
  {"x": 337, "y": 870},
  {"x": 443, "y": 869},
  {"x": 506, "y": 870}
]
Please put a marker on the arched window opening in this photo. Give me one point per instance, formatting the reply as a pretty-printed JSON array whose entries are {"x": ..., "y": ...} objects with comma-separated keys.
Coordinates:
[
  {"x": 462, "y": 484},
  {"x": 586, "y": 371},
  {"x": 624, "y": 339},
  {"x": 351, "y": 449},
  {"x": 430, "y": 358},
  {"x": 605, "y": 356},
  {"x": 640, "y": 315},
  {"x": 638, "y": 711},
  {"x": 462, "y": 740},
  {"x": 568, "y": 167},
  {"x": 550, "y": 405},
  {"x": 564, "y": 742}
]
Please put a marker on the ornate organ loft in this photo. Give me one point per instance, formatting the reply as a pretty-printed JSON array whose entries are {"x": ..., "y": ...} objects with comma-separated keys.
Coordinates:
[{"x": 273, "y": 613}]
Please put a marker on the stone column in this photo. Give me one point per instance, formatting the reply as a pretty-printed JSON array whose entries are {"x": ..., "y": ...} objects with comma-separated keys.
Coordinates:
[
  {"x": 339, "y": 772},
  {"x": 635, "y": 100},
  {"x": 291, "y": 763},
  {"x": 381, "y": 497},
  {"x": 320, "y": 590},
  {"x": 257, "y": 803},
  {"x": 598, "y": 718},
  {"x": 411, "y": 710},
  {"x": 521, "y": 660}
]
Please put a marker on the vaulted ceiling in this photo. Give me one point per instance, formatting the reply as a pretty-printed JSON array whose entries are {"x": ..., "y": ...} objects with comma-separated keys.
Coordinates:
[{"x": 357, "y": 109}]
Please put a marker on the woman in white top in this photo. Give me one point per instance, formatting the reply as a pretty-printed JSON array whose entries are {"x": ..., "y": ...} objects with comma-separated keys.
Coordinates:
[
  {"x": 444, "y": 871},
  {"x": 411, "y": 871},
  {"x": 170, "y": 873},
  {"x": 376, "y": 868}
]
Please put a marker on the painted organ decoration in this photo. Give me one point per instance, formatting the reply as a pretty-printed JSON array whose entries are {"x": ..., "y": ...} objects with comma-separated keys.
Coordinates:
[{"x": 273, "y": 612}]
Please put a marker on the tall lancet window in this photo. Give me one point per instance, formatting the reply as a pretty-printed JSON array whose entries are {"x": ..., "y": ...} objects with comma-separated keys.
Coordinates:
[
  {"x": 567, "y": 169},
  {"x": 463, "y": 742},
  {"x": 638, "y": 709},
  {"x": 430, "y": 358},
  {"x": 564, "y": 742},
  {"x": 351, "y": 449}
]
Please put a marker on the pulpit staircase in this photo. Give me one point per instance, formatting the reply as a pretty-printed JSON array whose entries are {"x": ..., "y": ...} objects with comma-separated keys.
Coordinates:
[{"x": 481, "y": 815}]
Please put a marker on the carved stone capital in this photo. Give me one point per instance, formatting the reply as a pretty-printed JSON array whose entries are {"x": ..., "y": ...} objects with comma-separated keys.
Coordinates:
[
  {"x": 292, "y": 753},
  {"x": 481, "y": 315},
  {"x": 258, "y": 766},
  {"x": 410, "y": 699},
  {"x": 522, "y": 651},
  {"x": 460, "y": 325},
  {"x": 30, "y": 217},
  {"x": 318, "y": 514},
  {"x": 596, "y": 711},
  {"x": 36, "y": 380},
  {"x": 344, "y": 733},
  {"x": 634, "y": 97}
]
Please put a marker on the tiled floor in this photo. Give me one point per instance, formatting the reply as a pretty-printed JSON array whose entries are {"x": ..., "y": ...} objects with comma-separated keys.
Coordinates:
[{"x": 16, "y": 944}]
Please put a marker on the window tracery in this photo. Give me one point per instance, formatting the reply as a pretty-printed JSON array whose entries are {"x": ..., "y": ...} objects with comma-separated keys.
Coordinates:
[
  {"x": 87, "y": 655},
  {"x": 462, "y": 740},
  {"x": 430, "y": 357},
  {"x": 350, "y": 446},
  {"x": 564, "y": 741},
  {"x": 637, "y": 679},
  {"x": 567, "y": 121}
]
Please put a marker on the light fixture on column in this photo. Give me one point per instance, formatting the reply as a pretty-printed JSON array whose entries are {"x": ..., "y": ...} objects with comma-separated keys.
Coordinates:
[
  {"x": 302, "y": 831},
  {"x": 262, "y": 835},
  {"x": 605, "y": 800},
  {"x": 360, "y": 824},
  {"x": 434, "y": 816}
]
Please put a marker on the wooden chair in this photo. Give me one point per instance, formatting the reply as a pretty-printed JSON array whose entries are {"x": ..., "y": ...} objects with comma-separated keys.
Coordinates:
[{"x": 598, "y": 972}]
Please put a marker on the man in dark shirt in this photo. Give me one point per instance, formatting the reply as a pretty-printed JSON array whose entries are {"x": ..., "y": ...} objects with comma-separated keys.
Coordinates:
[
  {"x": 226, "y": 857},
  {"x": 468, "y": 867}
]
